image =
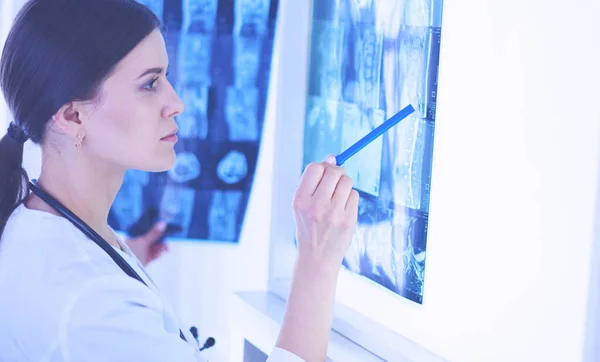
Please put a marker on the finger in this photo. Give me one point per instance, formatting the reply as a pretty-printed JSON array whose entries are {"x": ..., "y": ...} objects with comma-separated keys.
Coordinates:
[
  {"x": 156, "y": 246},
  {"x": 352, "y": 204},
  {"x": 155, "y": 251},
  {"x": 331, "y": 160},
  {"x": 310, "y": 180},
  {"x": 342, "y": 192},
  {"x": 331, "y": 177},
  {"x": 155, "y": 233}
]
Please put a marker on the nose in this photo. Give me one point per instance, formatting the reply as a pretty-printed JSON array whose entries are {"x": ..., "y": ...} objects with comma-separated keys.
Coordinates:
[{"x": 174, "y": 106}]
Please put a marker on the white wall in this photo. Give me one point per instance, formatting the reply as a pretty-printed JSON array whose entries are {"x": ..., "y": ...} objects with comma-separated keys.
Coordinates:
[{"x": 514, "y": 189}]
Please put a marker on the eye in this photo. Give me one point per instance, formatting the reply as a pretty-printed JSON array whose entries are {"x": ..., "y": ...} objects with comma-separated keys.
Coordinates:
[{"x": 150, "y": 85}]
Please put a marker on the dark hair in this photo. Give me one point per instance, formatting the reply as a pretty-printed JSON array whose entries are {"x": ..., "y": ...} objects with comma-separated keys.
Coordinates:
[{"x": 58, "y": 51}]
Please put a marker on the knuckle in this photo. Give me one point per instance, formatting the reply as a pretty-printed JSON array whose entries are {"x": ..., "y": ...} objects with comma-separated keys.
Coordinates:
[
  {"x": 339, "y": 170},
  {"x": 347, "y": 180},
  {"x": 346, "y": 225},
  {"x": 335, "y": 171},
  {"x": 298, "y": 203},
  {"x": 314, "y": 167}
]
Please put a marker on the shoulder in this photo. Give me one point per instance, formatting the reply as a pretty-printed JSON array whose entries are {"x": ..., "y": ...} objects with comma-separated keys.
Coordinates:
[
  {"x": 32, "y": 231},
  {"x": 55, "y": 260},
  {"x": 51, "y": 244},
  {"x": 26, "y": 224},
  {"x": 44, "y": 257}
]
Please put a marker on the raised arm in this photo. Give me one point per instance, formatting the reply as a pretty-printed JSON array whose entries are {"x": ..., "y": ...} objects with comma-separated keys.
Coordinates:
[{"x": 325, "y": 210}]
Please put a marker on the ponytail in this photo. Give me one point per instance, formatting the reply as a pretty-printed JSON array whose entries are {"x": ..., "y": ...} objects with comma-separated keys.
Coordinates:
[{"x": 13, "y": 178}]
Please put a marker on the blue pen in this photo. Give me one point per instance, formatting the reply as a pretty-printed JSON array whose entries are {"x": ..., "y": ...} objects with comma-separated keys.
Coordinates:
[{"x": 363, "y": 142}]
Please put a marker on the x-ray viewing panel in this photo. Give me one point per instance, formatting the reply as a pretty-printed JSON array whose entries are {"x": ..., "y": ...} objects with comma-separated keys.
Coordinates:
[{"x": 368, "y": 60}]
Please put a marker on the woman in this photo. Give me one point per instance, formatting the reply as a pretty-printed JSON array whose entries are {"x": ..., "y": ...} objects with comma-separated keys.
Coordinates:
[{"x": 86, "y": 80}]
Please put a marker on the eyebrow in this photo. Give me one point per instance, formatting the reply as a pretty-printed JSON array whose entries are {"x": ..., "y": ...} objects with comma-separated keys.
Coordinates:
[{"x": 151, "y": 71}]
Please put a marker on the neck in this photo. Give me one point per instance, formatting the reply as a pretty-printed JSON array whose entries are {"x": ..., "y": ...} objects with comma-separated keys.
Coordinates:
[{"x": 86, "y": 188}]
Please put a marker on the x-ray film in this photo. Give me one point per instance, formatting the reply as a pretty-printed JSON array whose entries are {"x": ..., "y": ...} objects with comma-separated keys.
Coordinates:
[
  {"x": 241, "y": 113},
  {"x": 193, "y": 122},
  {"x": 220, "y": 57},
  {"x": 199, "y": 16},
  {"x": 368, "y": 60},
  {"x": 251, "y": 17}
]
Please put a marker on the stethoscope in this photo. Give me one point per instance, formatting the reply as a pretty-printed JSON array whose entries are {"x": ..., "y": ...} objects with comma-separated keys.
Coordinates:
[{"x": 90, "y": 233}]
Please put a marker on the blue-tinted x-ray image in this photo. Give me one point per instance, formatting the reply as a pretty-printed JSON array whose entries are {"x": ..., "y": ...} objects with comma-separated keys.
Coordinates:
[
  {"x": 251, "y": 17},
  {"x": 368, "y": 60},
  {"x": 200, "y": 15},
  {"x": 219, "y": 59},
  {"x": 241, "y": 113},
  {"x": 193, "y": 122},
  {"x": 195, "y": 54},
  {"x": 246, "y": 61},
  {"x": 233, "y": 167},
  {"x": 187, "y": 167}
]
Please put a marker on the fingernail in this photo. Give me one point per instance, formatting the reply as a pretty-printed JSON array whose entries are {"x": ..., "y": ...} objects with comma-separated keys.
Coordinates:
[{"x": 330, "y": 160}]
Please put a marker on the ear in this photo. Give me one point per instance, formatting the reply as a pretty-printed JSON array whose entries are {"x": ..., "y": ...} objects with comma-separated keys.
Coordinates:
[{"x": 70, "y": 119}]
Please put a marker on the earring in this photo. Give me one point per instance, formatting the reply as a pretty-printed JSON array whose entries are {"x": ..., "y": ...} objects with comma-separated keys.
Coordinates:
[{"x": 78, "y": 141}]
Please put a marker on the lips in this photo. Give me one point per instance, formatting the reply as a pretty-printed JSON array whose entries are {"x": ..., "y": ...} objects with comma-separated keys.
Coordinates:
[{"x": 170, "y": 134}]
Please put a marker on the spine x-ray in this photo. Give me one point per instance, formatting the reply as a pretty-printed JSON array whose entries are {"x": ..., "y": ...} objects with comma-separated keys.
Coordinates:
[
  {"x": 369, "y": 59},
  {"x": 220, "y": 57}
]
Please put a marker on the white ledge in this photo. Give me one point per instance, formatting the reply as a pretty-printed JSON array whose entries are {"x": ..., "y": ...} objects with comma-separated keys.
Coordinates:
[{"x": 257, "y": 318}]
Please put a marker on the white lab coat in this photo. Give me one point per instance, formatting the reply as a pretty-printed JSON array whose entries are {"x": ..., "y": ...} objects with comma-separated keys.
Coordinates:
[{"x": 63, "y": 299}]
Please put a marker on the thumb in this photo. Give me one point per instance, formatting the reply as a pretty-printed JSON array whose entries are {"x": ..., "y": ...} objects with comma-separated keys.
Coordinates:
[{"x": 155, "y": 232}]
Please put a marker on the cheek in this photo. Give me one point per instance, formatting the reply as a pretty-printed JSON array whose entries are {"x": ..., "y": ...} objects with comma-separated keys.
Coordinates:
[{"x": 122, "y": 126}]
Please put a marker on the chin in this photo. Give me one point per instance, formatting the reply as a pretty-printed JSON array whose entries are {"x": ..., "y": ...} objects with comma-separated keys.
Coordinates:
[{"x": 161, "y": 163}]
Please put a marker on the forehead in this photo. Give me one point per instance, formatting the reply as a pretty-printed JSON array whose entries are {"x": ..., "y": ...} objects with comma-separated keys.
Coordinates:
[{"x": 149, "y": 53}]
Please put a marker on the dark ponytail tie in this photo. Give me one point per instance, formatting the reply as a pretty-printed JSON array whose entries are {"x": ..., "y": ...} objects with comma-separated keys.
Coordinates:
[{"x": 16, "y": 133}]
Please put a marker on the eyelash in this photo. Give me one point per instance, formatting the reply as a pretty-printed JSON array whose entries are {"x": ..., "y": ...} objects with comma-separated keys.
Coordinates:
[{"x": 151, "y": 84}]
